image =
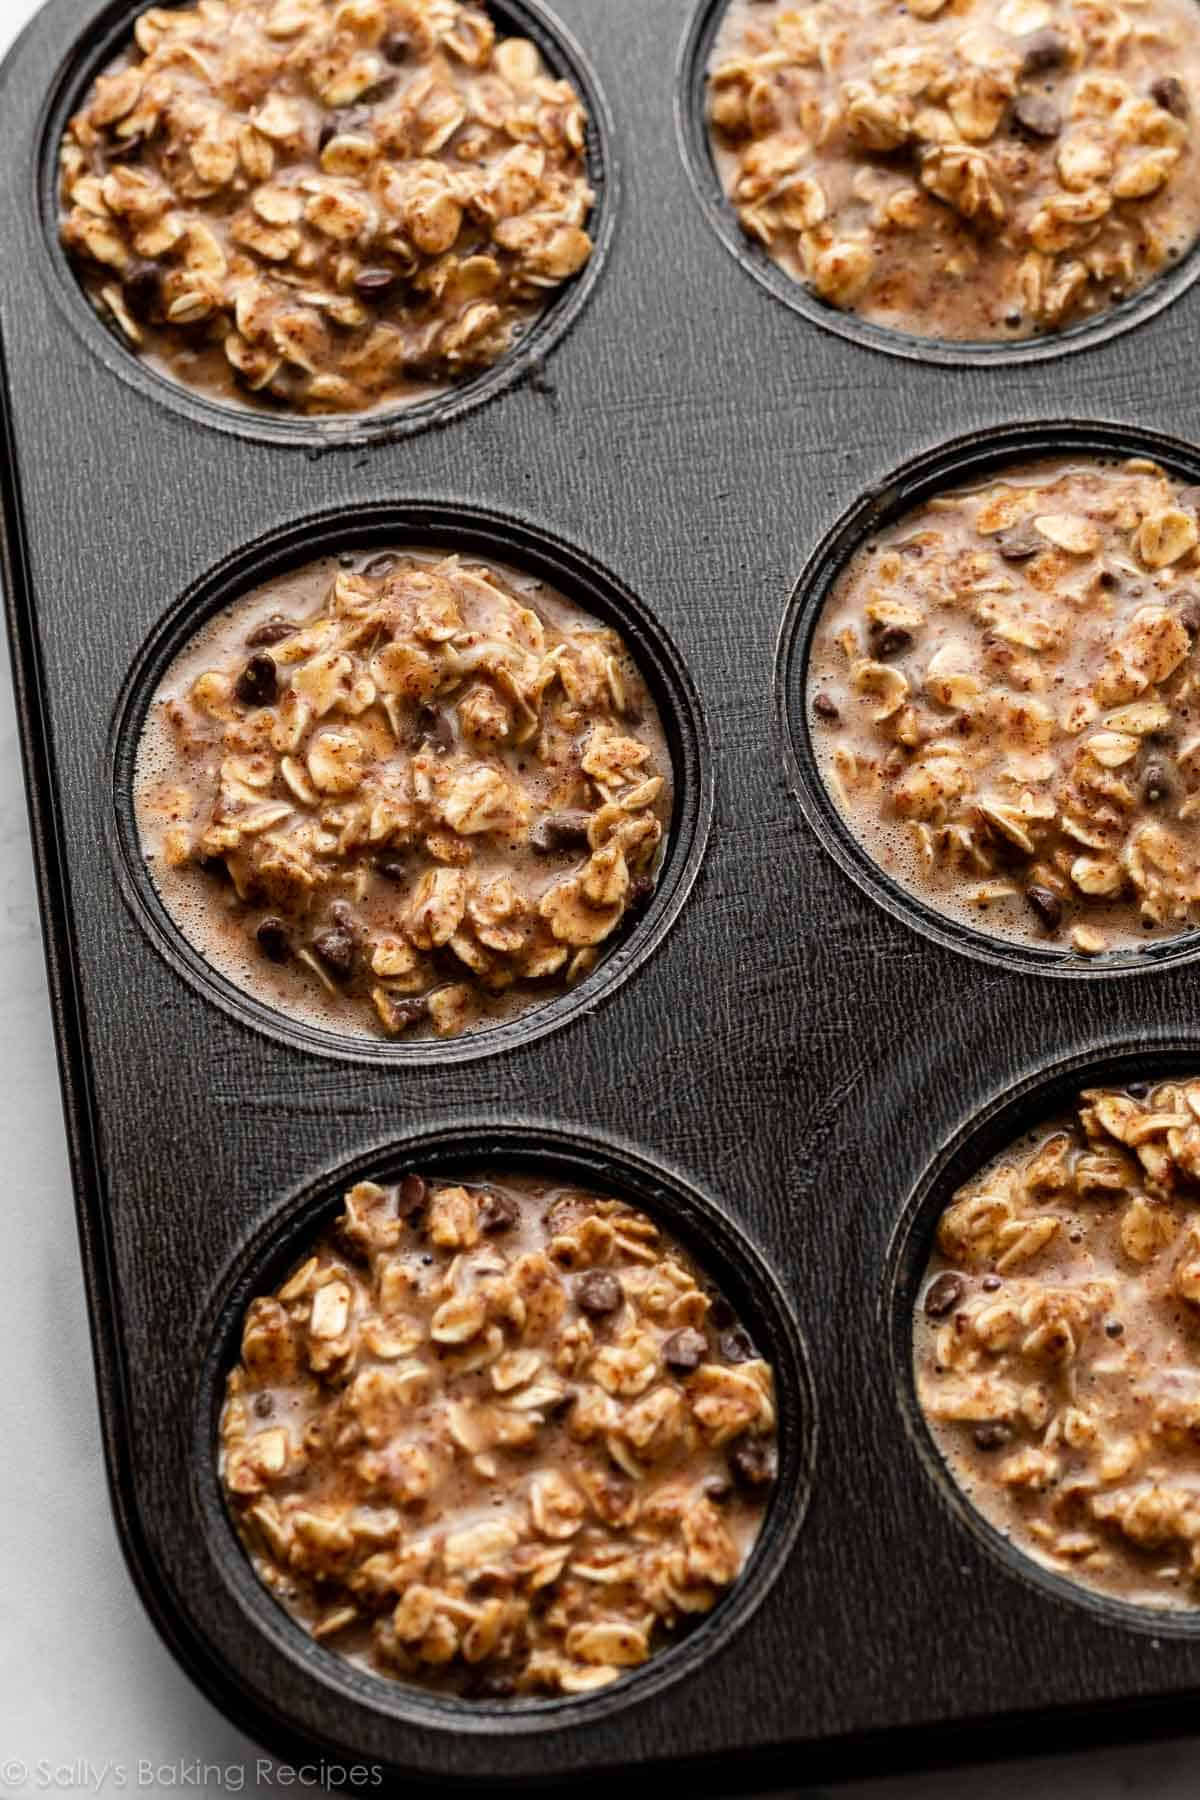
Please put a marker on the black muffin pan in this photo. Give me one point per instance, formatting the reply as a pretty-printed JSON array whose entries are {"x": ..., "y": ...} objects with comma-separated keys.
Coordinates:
[{"x": 787, "y": 1060}]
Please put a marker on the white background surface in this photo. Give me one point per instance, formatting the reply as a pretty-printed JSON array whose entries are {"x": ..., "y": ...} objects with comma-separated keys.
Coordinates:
[{"x": 90, "y": 1702}]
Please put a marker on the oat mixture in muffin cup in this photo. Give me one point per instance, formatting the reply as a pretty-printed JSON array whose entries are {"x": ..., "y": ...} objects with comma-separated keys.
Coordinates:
[
  {"x": 1003, "y": 703},
  {"x": 403, "y": 793},
  {"x": 325, "y": 205},
  {"x": 1057, "y": 1343},
  {"x": 962, "y": 169},
  {"x": 497, "y": 1438}
]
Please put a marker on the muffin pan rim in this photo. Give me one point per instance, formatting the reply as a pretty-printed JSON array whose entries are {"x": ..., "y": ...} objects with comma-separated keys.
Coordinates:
[
  {"x": 100, "y": 32},
  {"x": 953, "y": 463},
  {"x": 726, "y": 1252},
  {"x": 755, "y": 261},
  {"x": 534, "y": 549},
  {"x": 1000, "y": 1122}
]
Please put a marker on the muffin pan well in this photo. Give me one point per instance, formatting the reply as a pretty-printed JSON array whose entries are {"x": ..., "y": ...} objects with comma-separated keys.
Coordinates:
[
  {"x": 1010, "y": 1128},
  {"x": 699, "y": 151},
  {"x": 473, "y": 533},
  {"x": 560, "y": 1157},
  {"x": 97, "y": 40},
  {"x": 778, "y": 1073},
  {"x": 962, "y": 463}
]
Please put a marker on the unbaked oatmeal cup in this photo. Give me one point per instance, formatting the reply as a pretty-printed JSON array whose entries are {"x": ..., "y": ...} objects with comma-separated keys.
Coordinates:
[
  {"x": 325, "y": 206},
  {"x": 1056, "y": 1343},
  {"x": 403, "y": 793},
  {"x": 497, "y": 1438},
  {"x": 1003, "y": 706},
  {"x": 964, "y": 170}
]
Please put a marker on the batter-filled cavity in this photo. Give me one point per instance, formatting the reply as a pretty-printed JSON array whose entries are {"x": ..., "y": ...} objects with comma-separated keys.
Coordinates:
[
  {"x": 1004, "y": 704},
  {"x": 325, "y": 205},
  {"x": 1057, "y": 1343},
  {"x": 962, "y": 169},
  {"x": 403, "y": 793},
  {"x": 500, "y": 1438}
]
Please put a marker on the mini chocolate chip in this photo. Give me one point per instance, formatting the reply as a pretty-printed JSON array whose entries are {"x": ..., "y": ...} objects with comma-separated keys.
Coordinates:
[
  {"x": 684, "y": 1351},
  {"x": 490, "y": 1581},
  {"x": 1013, "y": 320},
  {"x": 1047, "y": 905},
  {"x": 889, "y": 640},
  {"x": 493, "y": 1685},
  {"x": 720, "y": 1311},
  {"x": 1156, "y": 784},
  {"x": 264, "y": 1405},
  {"x": 752, "y": 1463},
  {"x": 392, "y": 867},
  {"x": 993, "y": 1435},
  {"x": 1018, "y": 543},
  {"x": 1036, "y": 117},
  {"x": 404, "y": 1014},
  {"x": 736, "y": 1345},
  {"x": 143, "y": 290},
  {"x": 337, "y": 950},
  {"x": 991, "y": 1283},
  {"x": 1169, "y": 93},
  {"x": 943, "y": 1294},
  {"x": 1047, "y": 49},
  {"x": 560, "y": 831},
  {"x": 434, "y": 729},
  {"x": 396, "y": 47},
  {"x": 718, "y": 1490},
  {"x": 1114, "y": 1329},
  {"x": 598, "y": 1294},
  {"x": 498, "y": 1212},
  {"x": 446, "y": 962},
  {"x": 638, "y": 895},
  {"x": 271, "y": 631},
  {"x": 370, "y": 283},
  {"x": 825, "y": 708},
  {"x": 272, "y": 939},
  {"x": 258, "y": 683},
  {"x": 342, "y": 913},
  {"x": 1189, "y": 614},
  {"x": 411, "y": 1195}
]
